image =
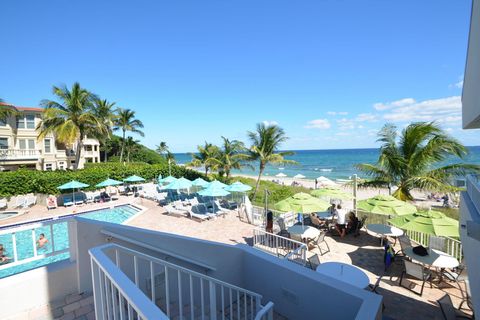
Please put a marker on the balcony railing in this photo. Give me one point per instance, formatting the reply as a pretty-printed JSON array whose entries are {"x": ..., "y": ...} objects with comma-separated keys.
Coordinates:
[
  {"x": 19, "y": 154},
  {"x": 279, "y": 246},
  {"x": 130, "y": 284}
]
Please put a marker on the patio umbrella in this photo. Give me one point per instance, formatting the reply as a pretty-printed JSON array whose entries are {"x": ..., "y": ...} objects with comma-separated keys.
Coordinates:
[
  {"x": 386, "y": 205},
  {"x": 323, "y": 181},
  {"x": 213, "y": 191},
  {"x": 299, "y": 176},
  {"x": 302, "y": 203},
  {"x": 429, "y": 222},
  {"x": 216, "y": 183},
  {"x": 73, "y": 185},
  {"x": 159, "y": 179},
  {"x": 134, "y": 178},
  {"x": 238, "y": 187},
  {"x": 108, "y": 182},
  {"x": 179, "y": 184},
  {"x": 331, "y": 193},
  {"x": 199, "y": 182},
  {"x": 281, "y": 175},
  {"x": 167, "y": 180}
]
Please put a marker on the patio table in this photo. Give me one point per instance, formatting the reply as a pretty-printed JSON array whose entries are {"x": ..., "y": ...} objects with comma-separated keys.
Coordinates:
[
  {"x": 345, "y": 273},
  {"x": 435, "y": 258},
  {"x": 300, "y": 233},
  {"x": 326, "y": 215},
  {"x": 384, "y": 231}
]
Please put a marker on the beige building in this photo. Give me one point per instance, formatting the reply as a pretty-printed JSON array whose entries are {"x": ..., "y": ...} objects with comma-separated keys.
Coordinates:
[{"x": 20, "y": 146}]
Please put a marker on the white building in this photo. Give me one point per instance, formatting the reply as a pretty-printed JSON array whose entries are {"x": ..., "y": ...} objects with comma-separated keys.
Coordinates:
[{"x": 20, "y": 146}]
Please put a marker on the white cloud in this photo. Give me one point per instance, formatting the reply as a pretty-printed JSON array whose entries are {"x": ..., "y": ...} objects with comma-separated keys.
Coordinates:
[
  {"x": 458, "y": 84},
  {"x": 270, "y": 123},
  {"x": 366, "y": 117},
  {"x": 334, "y": 113},
  {"x": 342, "y": 134},
  {"x": 389, "y": 105},
  {"x": 441, "y": 110},
  {"x": 346, "y": 124},
  {"x": 318, "y": 124}
]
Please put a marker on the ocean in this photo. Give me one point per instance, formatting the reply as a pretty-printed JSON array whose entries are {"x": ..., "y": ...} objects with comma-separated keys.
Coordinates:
[{"x": 333, "y": 164}]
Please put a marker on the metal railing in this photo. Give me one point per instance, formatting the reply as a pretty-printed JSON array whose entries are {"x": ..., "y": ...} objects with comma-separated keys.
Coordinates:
[
  {"x": 175, "y": 291},
  {"x": 266, "y": 313},
  {"x": 452, "y": 246},
  {"x": 279, "y": 246},
  {"x": 20, "y": 243}
]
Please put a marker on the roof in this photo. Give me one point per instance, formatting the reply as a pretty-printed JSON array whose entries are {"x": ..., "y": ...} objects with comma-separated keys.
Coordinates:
[{"x": 22, "y": 108}]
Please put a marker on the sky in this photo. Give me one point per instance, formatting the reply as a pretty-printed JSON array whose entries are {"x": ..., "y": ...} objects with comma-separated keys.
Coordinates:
[{"x": 331, "y": 73}]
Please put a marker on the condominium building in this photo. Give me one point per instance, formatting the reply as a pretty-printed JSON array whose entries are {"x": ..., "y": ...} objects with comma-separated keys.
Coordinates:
[{"x": 20, "y": 146}]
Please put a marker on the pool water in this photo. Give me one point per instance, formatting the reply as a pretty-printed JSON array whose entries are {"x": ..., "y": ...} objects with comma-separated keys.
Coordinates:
[{"x": 60, "y": 238}]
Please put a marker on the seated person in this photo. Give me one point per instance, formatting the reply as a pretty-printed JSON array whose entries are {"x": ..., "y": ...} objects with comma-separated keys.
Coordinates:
[
  {"x": 341, "y": 215},
  {"x": 42, "y": 241},
  {"x": 352, "y": 222},
  {"x": 3, "y": 257}
]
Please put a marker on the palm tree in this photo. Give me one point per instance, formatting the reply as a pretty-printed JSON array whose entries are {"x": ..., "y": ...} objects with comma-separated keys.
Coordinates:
[
  {"x": 266, "y": 141},
  {"x": 131, "y": 145},
  {"x": 105, "y": 113},
  {"x": 415, "y": 159},
  {"x": 162, "y": 148},
  {"x": 7, "y": 111},
  {"x": 126, "y": 121},
  {"x": 72, "y": 118},
  {"x": 202, "y": 157},
  {"x": 170, "y": 157},
  {"x": 228, "y": 157}
]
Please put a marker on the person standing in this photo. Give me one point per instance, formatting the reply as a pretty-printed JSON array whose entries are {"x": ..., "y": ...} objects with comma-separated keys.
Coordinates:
[
  {"x": 341, "y": 214},
  {"x": 269, "y": 227}
]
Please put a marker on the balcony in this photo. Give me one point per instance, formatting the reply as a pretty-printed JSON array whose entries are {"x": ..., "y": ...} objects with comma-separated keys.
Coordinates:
[{"x": 19, "y": 154}]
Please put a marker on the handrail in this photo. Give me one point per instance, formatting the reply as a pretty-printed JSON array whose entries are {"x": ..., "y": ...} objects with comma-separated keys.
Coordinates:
[
  {"x": 266, "y": 313},
  {"x": 153, "y": 248},
  {"x": 106, "y": 304},
  {"x": 278, "y": 245}
]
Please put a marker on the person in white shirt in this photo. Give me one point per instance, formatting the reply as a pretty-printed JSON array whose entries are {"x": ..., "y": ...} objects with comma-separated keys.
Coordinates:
[{"x": 341, "y": 215}]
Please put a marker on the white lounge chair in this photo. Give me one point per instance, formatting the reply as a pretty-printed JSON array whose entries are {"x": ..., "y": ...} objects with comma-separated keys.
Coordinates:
[
  {"x": 30, "y": 200},
  {"x": 20, "y": 201},
  {"x": 89, "y": 197},
  {"x": 174, "y": 211},
  {"x": 51, "y": 202},
  {"x": 199, "y": 212},
  {"x": 3, "y": 204}
]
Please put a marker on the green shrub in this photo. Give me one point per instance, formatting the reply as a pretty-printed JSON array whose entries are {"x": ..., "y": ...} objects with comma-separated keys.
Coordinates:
[{"x": 25, "y": 181}]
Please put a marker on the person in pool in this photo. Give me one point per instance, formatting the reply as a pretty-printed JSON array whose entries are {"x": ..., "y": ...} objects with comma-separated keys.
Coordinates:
[
  {"x": 3, "y": 257},
  {"x": 42, "y": 241}
]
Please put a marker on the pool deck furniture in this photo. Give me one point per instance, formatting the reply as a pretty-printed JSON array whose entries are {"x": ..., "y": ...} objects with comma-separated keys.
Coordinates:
[
  {"x": 325, "y": 215},
  {"x": 435, "y": 258},
  {"x": 384, "y": 230},
  {"x": 345, "y": 273},
  {"x": 299, "y": 232}
]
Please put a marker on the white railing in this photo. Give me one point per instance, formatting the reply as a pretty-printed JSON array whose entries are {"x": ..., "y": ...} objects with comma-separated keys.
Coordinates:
[
  {"x": 452, "y": 246},
  {"x": 11, "y": 154},
  {"x": 280, "y": 246},
  {"x": 266, "y": 313},
  {"x": 24, "y": 242},
  {"x": 173, "y": 290}
]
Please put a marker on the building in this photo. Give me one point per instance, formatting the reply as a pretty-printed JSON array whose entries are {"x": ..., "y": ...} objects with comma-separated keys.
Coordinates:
[
  {"x": 470, "y": 199},
  {"x": 20, "y": 146}
]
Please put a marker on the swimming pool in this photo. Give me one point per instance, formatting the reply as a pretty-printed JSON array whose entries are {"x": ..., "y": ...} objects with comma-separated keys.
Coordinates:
[{"x": 25, "y": 247}]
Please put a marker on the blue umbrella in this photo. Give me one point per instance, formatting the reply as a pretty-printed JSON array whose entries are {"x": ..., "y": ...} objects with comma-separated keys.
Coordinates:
[
  {"x": 168, "y": 179},
  {"x": 134, "y": 178},
  {"x": 217, "y": 184},
  {"x": 159, "y": 179},
  {"x": 178, "y": 184},
  {"x": 108, "y": 182},
  {"x": 213, "y": 191},
  {"x": 238, "y": 187},
  {"x": 73, "y": 185},
  {"x": 199, "y": 182}
]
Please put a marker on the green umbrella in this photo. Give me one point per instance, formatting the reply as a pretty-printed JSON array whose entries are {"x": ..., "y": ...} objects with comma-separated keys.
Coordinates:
[
  {"x": 199, "y": 182},
  {"x": 108, "y": 182},
  {"x": 238, "y": 187},
  {"x": 167, "y": 180},
  {"x": 429, "y": 222},
  {"x": 302, "y": 203},
  {"x": 73, "y": 185},
  {"x": 331, "y": 193},
  {"x": 134, "y": 178},
  {"x": 216, "y": 184},
  {"x": 386, "y": 205}
]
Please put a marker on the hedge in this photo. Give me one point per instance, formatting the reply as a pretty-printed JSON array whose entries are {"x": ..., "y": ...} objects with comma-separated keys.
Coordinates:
[{"x": 25, "y": 181}]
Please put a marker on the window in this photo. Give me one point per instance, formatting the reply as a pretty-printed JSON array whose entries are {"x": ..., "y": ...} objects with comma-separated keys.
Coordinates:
[
  {"x": 61, "y": 165},
  {"x": 22, "y": 144},
  {"x": 3, "y": 143},
  {"x": 48, "y": 166},
  {"x": 47, "y": 145},
  {"x": 25, "y": 144},
  {"x": 31, "y": 144},
  {"x": 26, "y": 122},
  {"x": 88, "y": 147}
]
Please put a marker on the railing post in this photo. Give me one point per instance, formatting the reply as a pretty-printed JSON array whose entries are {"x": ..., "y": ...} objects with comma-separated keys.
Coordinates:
[{"x": 213, "y": 301}]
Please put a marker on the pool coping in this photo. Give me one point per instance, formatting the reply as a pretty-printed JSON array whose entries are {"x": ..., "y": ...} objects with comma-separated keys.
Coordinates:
[{"x": 69, "y": 215}]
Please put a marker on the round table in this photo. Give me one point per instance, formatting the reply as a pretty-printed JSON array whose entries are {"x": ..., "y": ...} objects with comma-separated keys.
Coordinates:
[
  {"x": 299, "y": 232},
  {"x": 435, "y": 258},
  {"x": 345, "y": 273},
  {"x": 327, "y": 215},
  {"x": 384, "y": 230}
]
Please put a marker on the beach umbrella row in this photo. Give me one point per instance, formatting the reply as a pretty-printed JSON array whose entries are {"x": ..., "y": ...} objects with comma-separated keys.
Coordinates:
[{"x": 386, "y": 205}]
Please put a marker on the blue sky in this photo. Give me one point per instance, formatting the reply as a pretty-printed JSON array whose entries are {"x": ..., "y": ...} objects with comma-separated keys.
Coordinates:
[{"x": 331, "y": 73}]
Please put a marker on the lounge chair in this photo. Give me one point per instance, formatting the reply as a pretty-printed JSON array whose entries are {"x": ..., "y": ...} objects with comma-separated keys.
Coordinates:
[
  {"x": 3, "y": 204},
  {"x": 318, "y": 242},
  {"x": 79, "y": 199},
  {"x": 20, "y": 201},
  {"x": 448, "y": 310},
  {"x": 174, "y": 211},
  {"x": 89, "y": 197},
  {"x": 199, "y": 212},
  {"x": 220, "y": 208},
  {"x": 417, "y": 271},
  {"x": 51, "y": 202},
  {"x": 67, "y": 200}
]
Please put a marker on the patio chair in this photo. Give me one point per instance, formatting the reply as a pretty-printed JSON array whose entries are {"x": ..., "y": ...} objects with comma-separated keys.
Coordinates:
[
  {"x": 30, "y": 200},
  {"x": 360, "y": 225},
  {"x": 174, "y": 211},
  {"x": 405, "y": 243},
  {"x": 283, "y": 229},
  {"x": 67, "y": 200},
  {"x": 456, "y": 275},
  {"x": 416, "y": 271},
  {"x": 314, "y": 261},
  {"x": 448, "y": 310},
  {"x": 437, "y": 243},
  {"x": 318, "y": 242},
  {"x": 467, "y": 298},
  {"x": 199, "y": 212},
  {"x": 51, "y": 202}
]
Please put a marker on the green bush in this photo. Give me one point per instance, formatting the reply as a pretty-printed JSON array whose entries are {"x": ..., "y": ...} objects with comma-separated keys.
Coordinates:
[{"x": 25, "y": 181}]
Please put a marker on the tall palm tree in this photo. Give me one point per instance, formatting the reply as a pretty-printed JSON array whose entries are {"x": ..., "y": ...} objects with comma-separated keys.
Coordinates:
[
  {"x": 202, "y": 157},
  {"x": 228, "y": 157},
  {"x": 105, "y": 113},
  {"x": 266, "y": 141},
  {"x": 415, "y": 159},
  {"x": 71, "y": 119},
  {"x": 131, "y": 145},
  {"x": 162, "y": 148},
  {"x": 126, "y": 121}
]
